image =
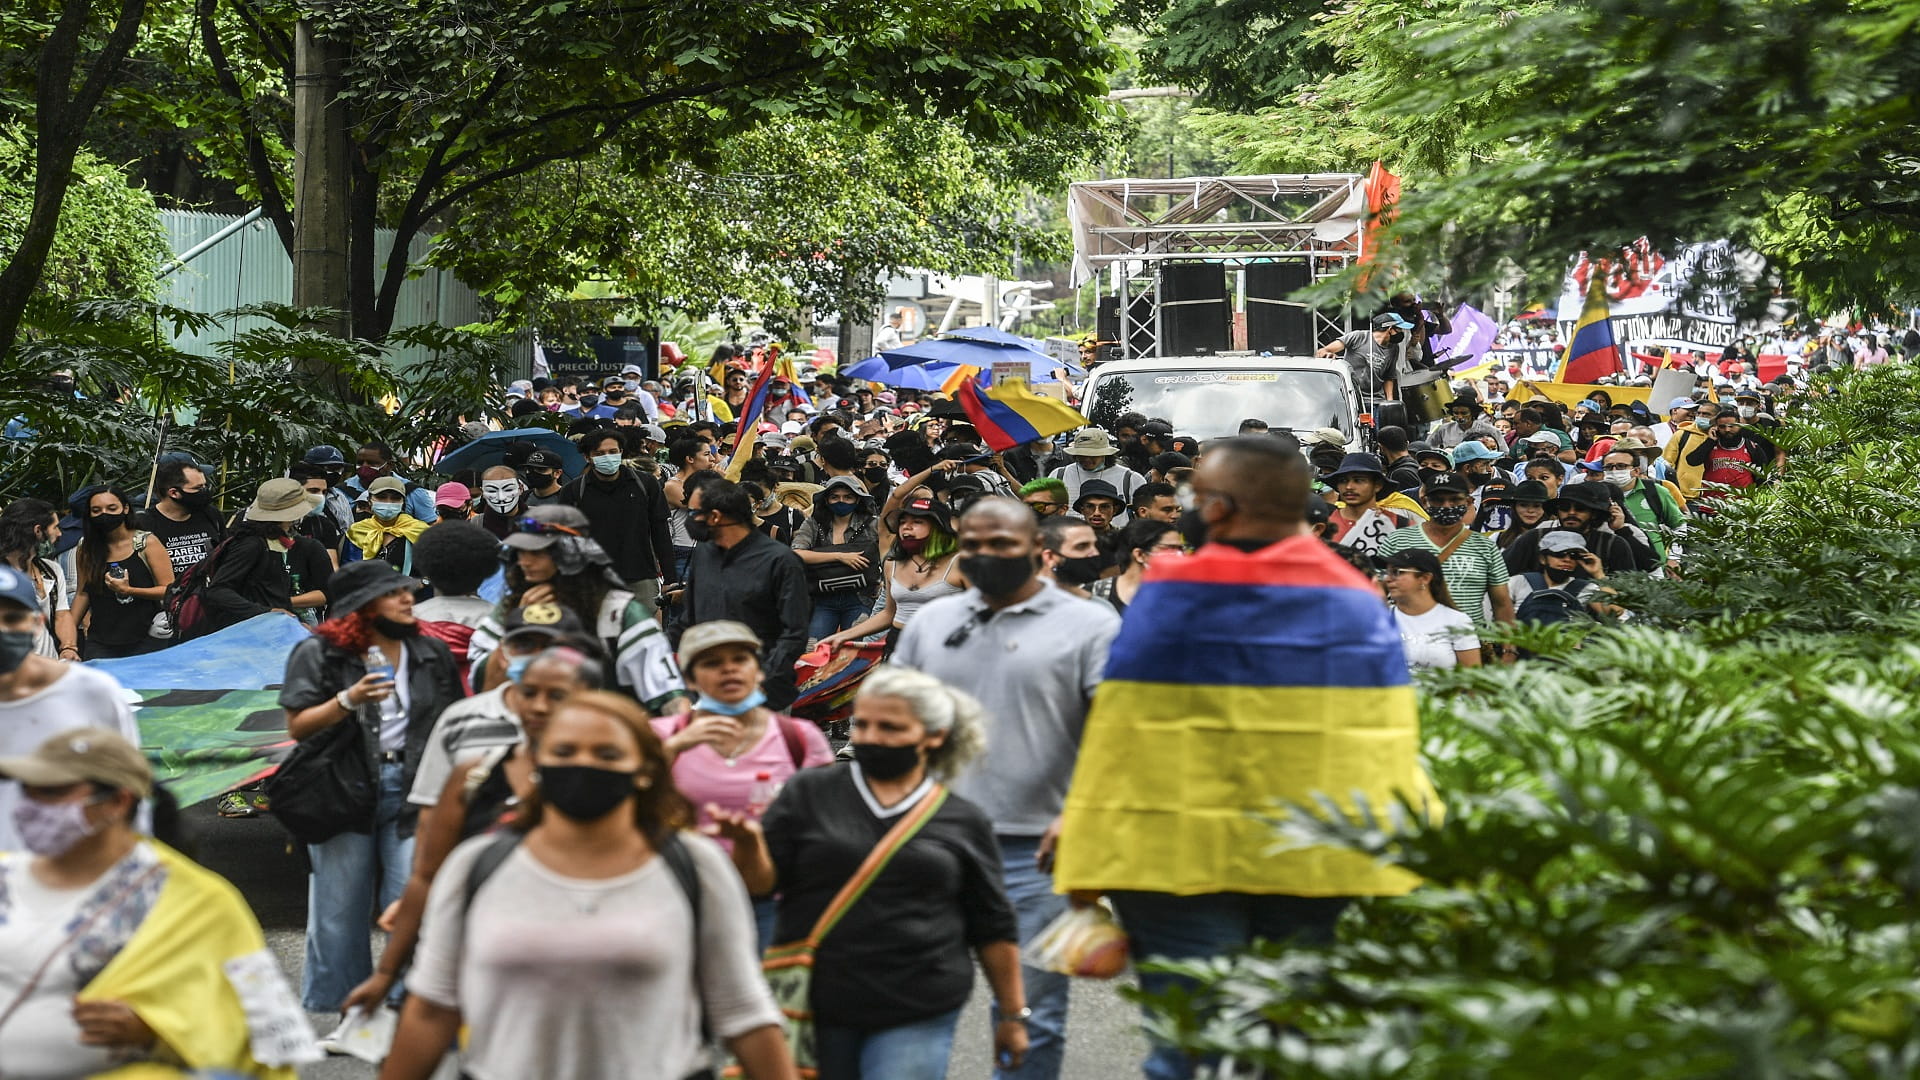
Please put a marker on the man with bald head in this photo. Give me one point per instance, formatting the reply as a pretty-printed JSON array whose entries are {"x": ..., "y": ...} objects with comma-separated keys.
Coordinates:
[
  {"x": 1033, "y": 655},
  {"x": 1260, "y": 671}
]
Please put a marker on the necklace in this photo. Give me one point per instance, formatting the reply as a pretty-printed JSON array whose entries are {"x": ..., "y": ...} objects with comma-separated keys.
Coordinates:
[{"x": 746, "y": 743}]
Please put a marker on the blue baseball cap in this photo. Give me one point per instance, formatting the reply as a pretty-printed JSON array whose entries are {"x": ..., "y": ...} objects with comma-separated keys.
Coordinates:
[
  {"x": 1473, "y": 450},
  {"x": 17, "y": 587},
  {"x": 324, "y": 455},
  {"x": 1682, "y": 403}
]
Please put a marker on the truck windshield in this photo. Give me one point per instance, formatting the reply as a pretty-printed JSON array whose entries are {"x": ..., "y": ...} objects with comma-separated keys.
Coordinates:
[{"x": 1211, "y": 404}]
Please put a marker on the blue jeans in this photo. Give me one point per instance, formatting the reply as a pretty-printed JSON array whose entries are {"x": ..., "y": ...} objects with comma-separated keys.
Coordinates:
[
  {"x": 834, "y": 612},
  {"x": 342, "y": 899},
  {"x": 1036, "y": 904},
  {"x": 1164, "y": 926},
  {"x": 916, "y": 1051},
  {"x": 766, "y": 910}
]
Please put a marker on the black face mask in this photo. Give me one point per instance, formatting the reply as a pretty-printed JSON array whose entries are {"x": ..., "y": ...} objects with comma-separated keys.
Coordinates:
[
  {"x": 583, "y": 792},
  {"x": 1193, "y": 529},
  {"x": 1728, "y": 441},
  {"x": 1084, "y": 570},
  {"x": 874, "y": 477},
  {"x": 195, "y": 500},
  {"x": 395, "y": 630},
  {"x": 886, "y": 762},
  {"x": 997, "y": 575},
  {"x": 106, "y": 523},
  {"x": 699, "y": 530}
]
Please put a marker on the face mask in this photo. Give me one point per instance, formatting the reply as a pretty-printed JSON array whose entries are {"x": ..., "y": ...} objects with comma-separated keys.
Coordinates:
[
  {"x": 1728, "y": 441},
  {"x": 699, "y": 530},
  {"x": 1084, "y": 570},
  {"x": 1619, "y": 477},
  {"x": 842, "y": 509},
  {"x": 195, "y": 500},
  {"x": 43, "y": 549},
  {"x": 106, "y": 523},
  {"x": 502, "y": 497},
  {"x": 517, "y": 666},
  {"x": 1193, "y": 529},
  {"x": 387, "y": 511},
  {"x": 606, "y": 464},
  {"x": 1702, "y": 423},
  {"x": 396, "y": 630},
  {"x": 319, "y": 508},
  {"x": 997, "y": 575},
  {"x": 51, "y": 830},
  {"x": 709, "y": 703},
  {"x": 15, "y": 645},
  {"x": 1747, "y": 412},
  {"x": 368, "y": 474},
  {"x": 1555, "y": 578},
  {"x": 584, "y": 793},
  {"x": 886, "y": 762},
  {"x": 913, "y": 545},
  {"x": 589, "y": 401},
  {"x": 1447, "y": 515},
  {"x": 874, "y": 476}
]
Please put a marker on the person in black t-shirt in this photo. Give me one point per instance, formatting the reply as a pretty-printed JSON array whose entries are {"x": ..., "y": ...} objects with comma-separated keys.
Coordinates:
[
  {"x": 899, "y": 962},
  {"x": 182, "y": 515}
]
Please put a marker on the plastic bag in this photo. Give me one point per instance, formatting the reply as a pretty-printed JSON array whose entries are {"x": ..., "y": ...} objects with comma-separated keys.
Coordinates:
[{"x": 1083, "y": 941}]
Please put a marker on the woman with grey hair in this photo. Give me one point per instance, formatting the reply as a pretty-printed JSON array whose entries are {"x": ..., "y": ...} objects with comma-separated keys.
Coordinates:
[{"x": 892, "y": 966}]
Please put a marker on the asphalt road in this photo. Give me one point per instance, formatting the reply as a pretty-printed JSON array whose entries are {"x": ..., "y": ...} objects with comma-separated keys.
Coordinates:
[{"x": 1104, "y": 1041}]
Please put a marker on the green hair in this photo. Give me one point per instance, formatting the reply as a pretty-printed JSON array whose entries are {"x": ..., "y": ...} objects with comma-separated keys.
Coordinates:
[{"x": 1049, "y": 484}]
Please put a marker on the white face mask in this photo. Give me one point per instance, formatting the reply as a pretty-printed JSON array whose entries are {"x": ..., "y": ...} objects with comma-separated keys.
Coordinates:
[
  {"x": 1619, "y": 477},
  {"x": 1747, "y": 412},
  {"x": 501, "y": 495}
]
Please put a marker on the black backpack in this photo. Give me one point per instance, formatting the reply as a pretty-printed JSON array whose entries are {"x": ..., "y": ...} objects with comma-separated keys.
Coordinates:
[{"x": 1550, "y": 605}]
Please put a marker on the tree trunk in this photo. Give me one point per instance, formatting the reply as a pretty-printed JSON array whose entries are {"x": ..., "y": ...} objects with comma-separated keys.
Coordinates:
[
  {"x": 321, "y": 181},
  {"x": 60, "y": 117}
]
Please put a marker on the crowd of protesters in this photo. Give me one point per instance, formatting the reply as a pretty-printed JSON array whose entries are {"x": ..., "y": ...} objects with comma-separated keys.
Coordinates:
[{"x": 566, "y": 672}]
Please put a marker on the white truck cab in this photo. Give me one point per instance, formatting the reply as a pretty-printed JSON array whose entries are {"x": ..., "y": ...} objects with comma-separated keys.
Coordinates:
[{"x": 1208, "y": 396}]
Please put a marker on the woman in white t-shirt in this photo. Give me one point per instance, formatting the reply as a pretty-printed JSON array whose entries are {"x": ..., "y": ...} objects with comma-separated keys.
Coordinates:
[{"x": 1434, "y": 634}]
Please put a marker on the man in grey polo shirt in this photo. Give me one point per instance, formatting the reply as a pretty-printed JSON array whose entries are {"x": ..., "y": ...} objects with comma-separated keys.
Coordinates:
[{"x": 1032, "y": 654}]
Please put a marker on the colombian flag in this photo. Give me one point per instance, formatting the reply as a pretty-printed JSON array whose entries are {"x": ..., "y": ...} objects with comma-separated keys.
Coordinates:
[
  {"x": 1239, "y": 679},
  {"x": 1010, "y": 414},
  {"x": 747, "y": 432},
  {"x": 1592, "y": 352}
]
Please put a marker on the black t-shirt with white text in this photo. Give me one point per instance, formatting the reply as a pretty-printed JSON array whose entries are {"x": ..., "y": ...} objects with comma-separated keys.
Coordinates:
[{"x": 188, "y": 542}]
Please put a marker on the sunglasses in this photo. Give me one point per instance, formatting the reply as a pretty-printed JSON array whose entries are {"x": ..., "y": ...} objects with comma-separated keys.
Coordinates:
[{"x": 545, "y": 528}]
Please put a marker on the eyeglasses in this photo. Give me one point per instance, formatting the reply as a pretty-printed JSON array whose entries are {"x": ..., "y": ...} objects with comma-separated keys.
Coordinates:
[
  {"x": 535, "y": 525},
  {"x": 1039, "y": 507},
  {"x": 1396, "y": 571}
]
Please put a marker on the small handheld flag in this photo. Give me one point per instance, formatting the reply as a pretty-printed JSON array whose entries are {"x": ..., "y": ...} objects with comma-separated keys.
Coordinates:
[{"x": 1008, "y": 414}]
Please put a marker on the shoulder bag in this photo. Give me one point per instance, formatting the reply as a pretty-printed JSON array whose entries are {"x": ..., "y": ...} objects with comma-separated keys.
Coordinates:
[
  {"x": 789, "y": 967},
  {"x": 327, "y": 785}
]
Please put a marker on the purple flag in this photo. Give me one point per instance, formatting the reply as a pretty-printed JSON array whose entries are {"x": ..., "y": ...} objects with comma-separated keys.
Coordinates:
[{"x": 1473, "y": 334}]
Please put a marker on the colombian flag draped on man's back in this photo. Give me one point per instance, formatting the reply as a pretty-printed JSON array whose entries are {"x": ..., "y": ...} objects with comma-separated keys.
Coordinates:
[{"x": 1239, "y": 679}]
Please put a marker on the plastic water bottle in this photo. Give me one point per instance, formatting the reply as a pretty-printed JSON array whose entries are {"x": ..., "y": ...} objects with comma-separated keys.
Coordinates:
[
  {"x": 765, "y": 789},
  {"x": 115, "y": 570},
  {"x": 377, "y": 663}
]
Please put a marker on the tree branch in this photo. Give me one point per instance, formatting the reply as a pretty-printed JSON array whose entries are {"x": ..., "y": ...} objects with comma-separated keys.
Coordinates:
[{"x": 273, "y": 201}]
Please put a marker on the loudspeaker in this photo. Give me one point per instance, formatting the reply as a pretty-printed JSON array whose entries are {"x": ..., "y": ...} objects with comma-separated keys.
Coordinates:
[
  {"x": 1273, "y": 324},
  {"x": 1195, "y": 313},
  {"x": 1106, "y": 319}
]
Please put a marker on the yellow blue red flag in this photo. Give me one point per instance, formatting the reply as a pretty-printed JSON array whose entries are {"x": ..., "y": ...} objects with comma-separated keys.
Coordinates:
[
  {"x": 1592, "y": 352},
  {"x": 1008, "y": 414},
  {"x": 1241, "y": 681}
]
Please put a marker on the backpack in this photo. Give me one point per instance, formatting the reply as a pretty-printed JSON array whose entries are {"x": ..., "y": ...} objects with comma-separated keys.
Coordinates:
[
  {"x": 1550, "y": 605},
  {"x": 185, "y": 604}
]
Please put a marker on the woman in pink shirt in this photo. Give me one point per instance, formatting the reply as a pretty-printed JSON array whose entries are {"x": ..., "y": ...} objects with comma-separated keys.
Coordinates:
[{"x": 731, "y": 751}]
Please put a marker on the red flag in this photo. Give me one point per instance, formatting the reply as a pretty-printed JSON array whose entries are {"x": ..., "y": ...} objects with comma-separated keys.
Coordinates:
[
  {"x": 1383, "y": 199},
  {"x": 1770, "y": 366}
]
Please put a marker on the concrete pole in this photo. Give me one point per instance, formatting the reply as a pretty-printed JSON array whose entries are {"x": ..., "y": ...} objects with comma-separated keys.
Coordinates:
[{"x": 321, "y": 236}]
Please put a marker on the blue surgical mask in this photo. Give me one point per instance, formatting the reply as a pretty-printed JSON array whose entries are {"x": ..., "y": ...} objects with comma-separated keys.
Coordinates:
[
  {"x": 517, "y": 666},
  {"x": 708, "y": 703},
  {"x": 386, "y": 511},
  {"x": 606, "y": 464},
  {"x": 842, "y": 508}
]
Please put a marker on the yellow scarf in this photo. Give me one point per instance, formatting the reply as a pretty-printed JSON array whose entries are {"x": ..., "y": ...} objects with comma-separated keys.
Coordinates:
[
  {"x": 373, "y": 535},
  {"x": 171, "y": 973}
]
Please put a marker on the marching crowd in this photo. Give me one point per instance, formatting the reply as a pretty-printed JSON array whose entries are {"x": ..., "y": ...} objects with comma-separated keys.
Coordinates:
[{"x": 543, "y": 730}]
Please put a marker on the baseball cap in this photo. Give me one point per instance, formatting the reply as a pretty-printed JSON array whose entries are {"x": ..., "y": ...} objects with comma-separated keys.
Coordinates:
[
  {"x": 1543, "y": 436},
  {"x": 653, "y": 432},
  {"x": 544, "y": 459},
  {"x": 1326, "y": 436},
  {"x": 324, "y": 455},
  {"x": 1590, "y": 496},
  {"x": 1453, "y": 482},
  {"x": 632, "y": 369},
  {"x": 14, "y": 586},
  {"x": 541, "y": 527},
  {"x": 1473, "y": 450},
  {"x": 385, "y": 484},
  {"x": 551, "y": 620},
  {"x": 1563, "y": 540},
  {"x": 1390, "y": 321},
  {"x": 452, "y": 493},
  {"x": 81, "y": 755},
  {"x": 701, "y": 637}
]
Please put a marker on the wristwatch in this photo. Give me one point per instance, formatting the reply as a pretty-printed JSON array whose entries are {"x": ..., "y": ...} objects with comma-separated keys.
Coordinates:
[{"x": 1023, "y": 1015}]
